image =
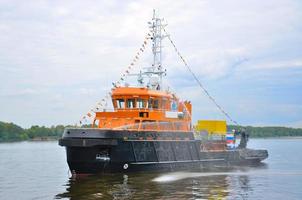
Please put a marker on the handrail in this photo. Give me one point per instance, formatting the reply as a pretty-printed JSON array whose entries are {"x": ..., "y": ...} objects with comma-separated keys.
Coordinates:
[
  {"x": 157, "y": 126},
  {"x": 134, "y": 109}
]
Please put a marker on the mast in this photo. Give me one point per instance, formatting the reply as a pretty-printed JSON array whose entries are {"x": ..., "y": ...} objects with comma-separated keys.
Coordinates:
[{"x": 156, "y": 71}]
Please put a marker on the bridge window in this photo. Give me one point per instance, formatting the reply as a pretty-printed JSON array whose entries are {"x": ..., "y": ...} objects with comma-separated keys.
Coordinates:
[
  {"x": 156, "y": 103},
  {"x": 174, "y": 105},
  {"x": 130, "y": 103},
  {"x": 150, "y": 102},
  {"x": 153, "y": 103},
  {"x": 140, "y": 103},
  {"x": 120, "y": 103},
  {"x": 164, "y": 104}
]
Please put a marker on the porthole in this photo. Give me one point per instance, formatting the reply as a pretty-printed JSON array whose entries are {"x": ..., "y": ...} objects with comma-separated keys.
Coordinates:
[{"x": 125, "y": 166}]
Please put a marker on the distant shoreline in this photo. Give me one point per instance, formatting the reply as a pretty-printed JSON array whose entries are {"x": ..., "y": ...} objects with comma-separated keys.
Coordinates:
[
  {"x": 10, "y": 132},
  {"x": 52, "y": 139},
  {"x": 278, "y": 137},
  {"x": 39, "y": 139}
]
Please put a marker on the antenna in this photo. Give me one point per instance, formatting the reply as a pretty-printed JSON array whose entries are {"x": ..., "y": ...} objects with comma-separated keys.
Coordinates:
[
  {"x": 156, "y": 26},
  {"x": 155, "y": 72}
]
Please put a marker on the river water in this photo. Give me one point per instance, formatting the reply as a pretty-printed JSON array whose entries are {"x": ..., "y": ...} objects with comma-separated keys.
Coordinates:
[{"x": 38, "y": 170}]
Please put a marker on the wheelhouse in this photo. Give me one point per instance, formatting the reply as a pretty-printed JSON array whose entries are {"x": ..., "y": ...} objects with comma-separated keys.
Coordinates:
[{"x": 145, "y": 109}]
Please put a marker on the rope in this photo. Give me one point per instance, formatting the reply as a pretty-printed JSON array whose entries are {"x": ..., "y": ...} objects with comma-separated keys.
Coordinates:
[
  {"x": 199, "y": 82},
  {"x": 103, "y": 102}
]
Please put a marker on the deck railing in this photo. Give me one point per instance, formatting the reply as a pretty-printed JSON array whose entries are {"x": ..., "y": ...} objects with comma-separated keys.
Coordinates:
[{"x": 157, "y": 126}]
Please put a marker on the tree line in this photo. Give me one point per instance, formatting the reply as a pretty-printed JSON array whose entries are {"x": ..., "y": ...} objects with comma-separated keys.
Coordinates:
[
  {"x": 10, "y": 132},
  {"x": 268, "y": 131}
]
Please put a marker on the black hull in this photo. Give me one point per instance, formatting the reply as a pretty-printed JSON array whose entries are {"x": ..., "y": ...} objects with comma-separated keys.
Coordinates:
[{"x": 91, "y": 151}]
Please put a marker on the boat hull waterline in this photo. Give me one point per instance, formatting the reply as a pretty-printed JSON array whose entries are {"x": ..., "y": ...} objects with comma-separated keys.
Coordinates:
[{"x": 92, "y": 150}]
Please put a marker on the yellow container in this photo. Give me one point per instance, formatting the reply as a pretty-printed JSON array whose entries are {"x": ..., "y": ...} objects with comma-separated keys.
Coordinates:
[{"x": 217, "y": 127}]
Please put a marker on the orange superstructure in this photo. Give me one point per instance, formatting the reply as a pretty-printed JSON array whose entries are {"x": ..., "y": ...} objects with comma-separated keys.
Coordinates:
[{"x": 141, "y": 108}]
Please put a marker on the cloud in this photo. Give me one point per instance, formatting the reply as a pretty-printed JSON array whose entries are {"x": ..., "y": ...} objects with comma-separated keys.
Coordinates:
[
  {"x": 87, "y": 91},
  {"x": 63, "y": 56},
  {"x": 278, "y": 65},
  {"x": 295, "y": 124},
  {"x": 22, "y": 92}
]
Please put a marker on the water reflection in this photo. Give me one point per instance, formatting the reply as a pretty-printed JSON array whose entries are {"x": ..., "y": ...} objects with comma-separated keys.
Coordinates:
[{"x": 218, "y": 184}]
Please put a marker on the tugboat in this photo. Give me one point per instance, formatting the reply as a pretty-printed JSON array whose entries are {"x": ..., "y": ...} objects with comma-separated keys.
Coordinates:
[{"x": 150, "y": 128}]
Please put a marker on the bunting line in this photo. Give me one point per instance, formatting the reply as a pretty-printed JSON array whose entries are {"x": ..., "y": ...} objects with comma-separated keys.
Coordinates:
[
  {"x": 102, "y": 103},
  {"x": 199, "y": 82}
]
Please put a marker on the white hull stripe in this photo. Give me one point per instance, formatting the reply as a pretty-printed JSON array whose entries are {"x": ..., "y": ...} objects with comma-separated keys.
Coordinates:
[{"x": 181, "y": 161}]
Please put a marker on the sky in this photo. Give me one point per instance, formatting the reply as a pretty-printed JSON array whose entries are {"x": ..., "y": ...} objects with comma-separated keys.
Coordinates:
[{"x": 58, "y": 58}]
